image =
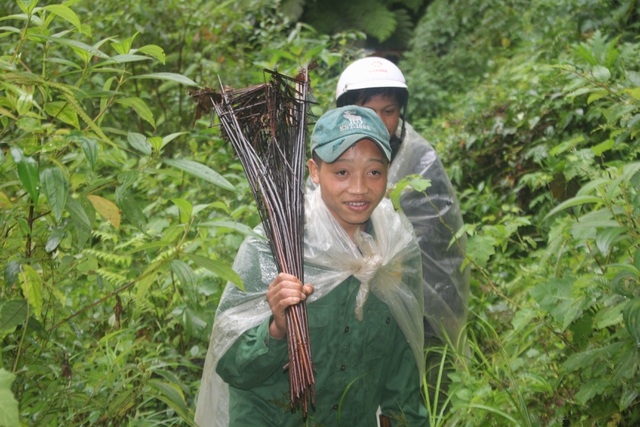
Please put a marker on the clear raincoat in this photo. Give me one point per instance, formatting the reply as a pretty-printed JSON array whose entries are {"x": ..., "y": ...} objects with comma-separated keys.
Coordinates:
[
  {"x": 387, "y": 264},
  {"x": 435, "y": 219}
]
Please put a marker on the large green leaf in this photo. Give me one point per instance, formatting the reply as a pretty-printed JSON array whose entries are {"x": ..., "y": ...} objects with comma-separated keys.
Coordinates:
[
  {"x": 32, "y": 289},
  {"x": 131, "y": 210},
  {"x": 65, "y": 13},
  {"x": 56, "y": 189},
  {"x": 233, "y": 225},
  {"x": 601, "y": 74},
  {"x": 201, "y": 171},
  {"x": 140, "y": 107},
  {"x": 127, "y": 57},
  {"x": 171, "y": 394},
  {"x": 11, "y": 272},
  {"x": 599, "y": 219},
  {"x": 186, "y": 209},
  {"x": 172, "y": 77},
  {"x": 80, "y": 47},
  {"x": 81, "y": 223},
  {"x": 196, "y": 322},
  {"x": 218, "y": 268},
  {"x": 168, "y": 138},
  {"x": 631, "y": 316},
  {"x": 8, "y": 403},
  {"x": 64, "y": 112},
  {"x": 610, "y": 236},
  {"x": 90, "y": 149},
  {"x": 154, "y": 51},
  {"x": 629, "y": 395},
  {"x": 185, "y": 274},
  {"x": 28, "y": 173},
  {"x": 480, "y": 249},
  {"x": 139, "y": 142},
  {"x": 589, "y": 389},
  {"x": 55, "y": 238},
  {"x": 609, "y": 316},
  {"x": 557, "y": 298},
  {"x": 408, "y": 183},
  {"x": 574, "y": 201},
  {"x": 585, "y": 359},
  {"x": 126, "y": 180},
  {"x": 12, "y": 313}
]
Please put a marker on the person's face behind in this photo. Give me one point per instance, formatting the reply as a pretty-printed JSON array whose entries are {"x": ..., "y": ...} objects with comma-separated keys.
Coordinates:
[
  {"x": 387, "y": 108},
  {"x": 353, "y": 185}
]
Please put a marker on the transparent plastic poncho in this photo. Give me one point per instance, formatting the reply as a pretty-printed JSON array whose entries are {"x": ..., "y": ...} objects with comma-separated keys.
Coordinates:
[
  {"x": 436, "y": 218},
  {"x": 386, "y": 263}
]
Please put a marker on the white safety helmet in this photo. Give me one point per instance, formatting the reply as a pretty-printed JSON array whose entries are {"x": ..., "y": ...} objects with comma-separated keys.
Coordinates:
[{"x": 371, "y": 72}]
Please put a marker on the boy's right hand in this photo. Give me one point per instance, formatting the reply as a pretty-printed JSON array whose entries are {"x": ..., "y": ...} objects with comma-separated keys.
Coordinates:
[{"x": 286, "y": 290}]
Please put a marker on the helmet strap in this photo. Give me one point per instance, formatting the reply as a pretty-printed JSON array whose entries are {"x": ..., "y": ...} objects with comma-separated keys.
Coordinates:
[{"x": 395, "y": 142}]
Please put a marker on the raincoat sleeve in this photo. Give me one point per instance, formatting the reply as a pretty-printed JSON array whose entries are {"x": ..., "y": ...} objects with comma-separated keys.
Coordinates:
[
  {"x": 239, "y": 318},
  {"x": 435, "y": 216},
  {"x": 253, "y": 358}
]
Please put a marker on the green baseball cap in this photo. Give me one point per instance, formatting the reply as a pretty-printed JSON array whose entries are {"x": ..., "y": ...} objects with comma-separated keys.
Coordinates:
[{"x": 340, "y": 128}]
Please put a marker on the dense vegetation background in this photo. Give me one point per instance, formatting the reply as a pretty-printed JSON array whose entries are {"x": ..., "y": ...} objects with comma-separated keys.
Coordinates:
[{"x": 120, "y": 214}]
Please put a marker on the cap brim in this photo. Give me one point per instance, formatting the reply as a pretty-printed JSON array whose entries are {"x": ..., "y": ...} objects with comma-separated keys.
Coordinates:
[{"x": 331, "y": 152}]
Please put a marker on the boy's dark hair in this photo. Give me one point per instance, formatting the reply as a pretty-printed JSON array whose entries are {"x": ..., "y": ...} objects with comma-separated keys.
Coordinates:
[
  {"x": 362, "y": 96},
  {"x": 316, "y": 158}
]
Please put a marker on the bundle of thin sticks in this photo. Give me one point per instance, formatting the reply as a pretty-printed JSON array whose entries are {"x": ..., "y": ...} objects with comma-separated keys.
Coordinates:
[{"x": 266, "y": 125}]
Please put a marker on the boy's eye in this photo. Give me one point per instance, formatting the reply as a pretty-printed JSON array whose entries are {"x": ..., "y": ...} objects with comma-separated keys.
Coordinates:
[{"x": 341, "y": 173}]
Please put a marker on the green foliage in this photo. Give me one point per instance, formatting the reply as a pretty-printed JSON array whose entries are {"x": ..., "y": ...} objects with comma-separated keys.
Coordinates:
[
  {"x": 540, "y": 133},
  {"x": 119, "y": 214},
  {"x": 8, "y": 404},
  {"x": 460, "y": 44},
  {"x": 82, "y": 241},
  {"x": 388, "y": 24}
]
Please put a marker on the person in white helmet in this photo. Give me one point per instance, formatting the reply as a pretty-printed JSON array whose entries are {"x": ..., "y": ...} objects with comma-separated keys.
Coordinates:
[{"x": 379, "y": 84}]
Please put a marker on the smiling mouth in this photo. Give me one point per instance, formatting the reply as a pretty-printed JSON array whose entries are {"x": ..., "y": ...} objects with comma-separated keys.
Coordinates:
[{"x": 357, "y": 205}]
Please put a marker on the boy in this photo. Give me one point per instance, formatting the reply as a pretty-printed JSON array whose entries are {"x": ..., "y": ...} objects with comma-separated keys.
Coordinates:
[{"x": 364, "y": 300}]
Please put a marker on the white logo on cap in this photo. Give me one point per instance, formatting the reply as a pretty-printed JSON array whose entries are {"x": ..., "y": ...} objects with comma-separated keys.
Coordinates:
[{"x": 355, "y": 121}]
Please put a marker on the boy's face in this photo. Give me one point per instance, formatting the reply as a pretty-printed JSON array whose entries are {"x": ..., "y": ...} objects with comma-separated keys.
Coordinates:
[
  {"x": 387, "y": 108},
  {"x": 353, "y": 185}
]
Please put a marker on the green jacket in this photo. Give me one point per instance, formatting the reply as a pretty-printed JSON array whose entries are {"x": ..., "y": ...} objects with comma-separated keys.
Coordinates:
[{"x": 358, "y": 366}]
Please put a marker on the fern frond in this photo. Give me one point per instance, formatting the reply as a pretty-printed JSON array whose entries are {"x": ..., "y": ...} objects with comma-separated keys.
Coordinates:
[
  {"x": 370, "y": 16},
  {"x": 166, "y": 254},
  {"x": 111, "y": 277},
  {"x": 404, "y": 29},
  {"x": 378, "y": 21},
  {"x": 134, "y": 241},
  {"x": 104, "y": 236},
  {"x": 413, "y": 5},
  {"x": 121, "y": 260}
]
